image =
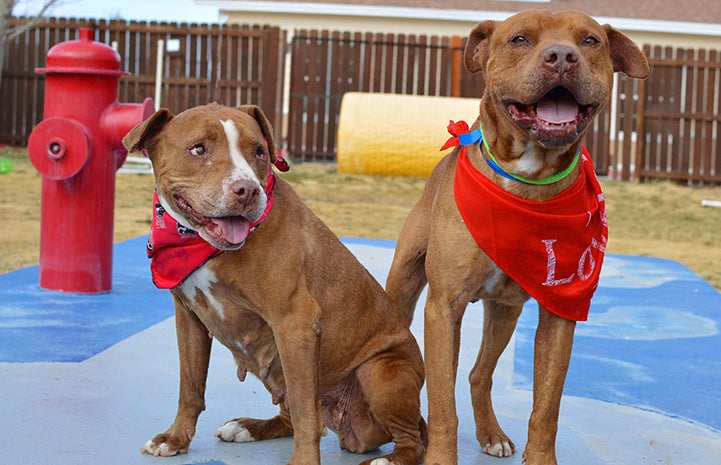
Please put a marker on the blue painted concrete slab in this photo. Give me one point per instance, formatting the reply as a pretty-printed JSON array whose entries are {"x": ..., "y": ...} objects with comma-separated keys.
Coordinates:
[
  {"x": 652, "y": 340},
  {"x": 73, "y": 327},
  {"x": 643, "y": 386}
]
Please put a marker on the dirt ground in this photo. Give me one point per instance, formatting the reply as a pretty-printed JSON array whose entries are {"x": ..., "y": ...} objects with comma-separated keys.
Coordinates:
[{"x": 653, "y": 219}]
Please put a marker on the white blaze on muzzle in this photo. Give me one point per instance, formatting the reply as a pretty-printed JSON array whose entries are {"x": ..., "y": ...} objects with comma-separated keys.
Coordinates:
[
  {"x": 242, "y": 169},
  {"x": 235, "y": 228}
]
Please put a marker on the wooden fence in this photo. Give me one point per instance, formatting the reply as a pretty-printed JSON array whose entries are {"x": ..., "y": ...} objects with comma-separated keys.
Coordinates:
[
  {"x": 201, "y": 63},
  {"x": 664, "y": 128},
  {"x": 325, "y": 65},
  {"x": 679, "y": 117}
]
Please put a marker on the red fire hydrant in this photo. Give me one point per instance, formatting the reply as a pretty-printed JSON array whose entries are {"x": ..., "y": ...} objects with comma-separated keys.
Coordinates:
[{"x": 77, "y": 149}]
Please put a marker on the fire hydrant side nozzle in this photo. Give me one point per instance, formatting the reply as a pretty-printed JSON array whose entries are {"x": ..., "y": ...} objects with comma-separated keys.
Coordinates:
[
  {"x": 75, "y": 148},
  {"x": 119, "y": 118}
]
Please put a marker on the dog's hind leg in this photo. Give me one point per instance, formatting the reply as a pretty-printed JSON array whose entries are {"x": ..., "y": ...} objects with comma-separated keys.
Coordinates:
[
  {"x": 251, "y": 429},
  {"x": 391, "y": 387},
  {"x": 499, "y": 321},
  {"x": 407, "y": 276}
]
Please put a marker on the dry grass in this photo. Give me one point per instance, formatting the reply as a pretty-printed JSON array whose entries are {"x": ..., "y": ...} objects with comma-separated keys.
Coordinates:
[{"x": 656, "y": 219}]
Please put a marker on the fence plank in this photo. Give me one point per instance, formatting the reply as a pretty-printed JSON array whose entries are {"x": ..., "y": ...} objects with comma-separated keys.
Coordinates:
[
  {"x": 434, "y": 68},
  {"x": 698, "y": 136},
  {"x": 715, "y": 172},
  {"x": 297, "y": 102},
  {"x": 680, "y": 163},
  {"x": 318, "y": 94},
  {"x": 626, "y": 126}
]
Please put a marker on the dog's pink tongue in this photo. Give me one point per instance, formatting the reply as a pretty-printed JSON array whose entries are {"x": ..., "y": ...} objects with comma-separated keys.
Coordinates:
[
  {"x": 559, "y": 111},
  {"x": 233, "y": 229}
]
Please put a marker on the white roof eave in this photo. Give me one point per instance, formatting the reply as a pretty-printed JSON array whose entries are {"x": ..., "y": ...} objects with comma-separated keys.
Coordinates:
[{"x": 318, "y": 8}]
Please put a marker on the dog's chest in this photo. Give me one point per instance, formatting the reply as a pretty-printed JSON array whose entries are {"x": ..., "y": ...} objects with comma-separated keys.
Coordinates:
[{"x": 230, "y": 319}]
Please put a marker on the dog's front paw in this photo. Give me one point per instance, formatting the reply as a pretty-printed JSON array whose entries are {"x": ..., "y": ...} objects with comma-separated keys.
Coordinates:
[
  {"x": 160, "y": 447},
  {"x": 499, "y": 449},
  {"x": 233, "y": 431}
]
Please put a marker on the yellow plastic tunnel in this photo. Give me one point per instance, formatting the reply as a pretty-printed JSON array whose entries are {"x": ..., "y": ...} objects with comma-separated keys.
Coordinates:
[{"x": 397, "y": 135}]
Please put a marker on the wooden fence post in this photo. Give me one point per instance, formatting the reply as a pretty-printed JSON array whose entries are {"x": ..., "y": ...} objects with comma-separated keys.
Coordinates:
[
  {"x": 641, "y": 123},
  {"x": 270, "y": 100},
  {"x": 456, "y": 59}
]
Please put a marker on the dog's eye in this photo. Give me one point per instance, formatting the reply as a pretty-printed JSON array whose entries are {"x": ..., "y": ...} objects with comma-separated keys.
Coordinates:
[
  {"x": 198, "y": 150},
  {"x": 260, "y": 152},
  {"x": 591, "y": 41},
  {"x": 520, "y": 40}
]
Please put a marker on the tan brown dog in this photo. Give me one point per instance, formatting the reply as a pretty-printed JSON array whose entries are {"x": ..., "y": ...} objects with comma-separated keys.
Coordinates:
[
  {"x": 547, "y": 76},
  {"x": 292, "y": 304}
]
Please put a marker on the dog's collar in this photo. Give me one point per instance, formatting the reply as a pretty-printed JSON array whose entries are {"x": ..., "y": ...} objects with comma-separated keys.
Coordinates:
[
  {"x": 270, "y": 194},
  {"x": 476, "y": 136}
]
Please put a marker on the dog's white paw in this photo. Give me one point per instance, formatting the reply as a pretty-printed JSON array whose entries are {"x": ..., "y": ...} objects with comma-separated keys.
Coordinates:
[
  {"x": 158, "y": 450},
  {"x": 381, "y": 461},
  {"x": 233, "y": 431},
  {"x": 500, "y": 449}
]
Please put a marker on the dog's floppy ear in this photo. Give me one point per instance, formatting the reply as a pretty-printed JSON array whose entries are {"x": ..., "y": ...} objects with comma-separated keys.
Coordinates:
[
  {"x": 265, "y": 127},
  {"x": 625, "y": 54},
  {"x": 476, "y": 52},
  {"x": 137, "y": 138}
]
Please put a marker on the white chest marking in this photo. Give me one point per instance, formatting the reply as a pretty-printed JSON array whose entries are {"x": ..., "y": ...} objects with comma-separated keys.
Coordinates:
[
  {"x": 529, "y": 163},
  {"x": 242, "y": 348},
  {"x": 201, "y": 280},
  {"x": 493, "y": 279}
]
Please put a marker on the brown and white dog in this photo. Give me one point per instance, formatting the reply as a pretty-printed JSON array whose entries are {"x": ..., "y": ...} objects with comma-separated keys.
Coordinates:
[
  {"x": 547, "y": 76},
  {"x": 267, "y": 279}
]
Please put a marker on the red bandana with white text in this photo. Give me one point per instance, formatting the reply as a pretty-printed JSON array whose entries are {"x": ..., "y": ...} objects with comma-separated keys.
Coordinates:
[
  {"x": 176, "y": 251},
  {"x": 554, "y": 249}
]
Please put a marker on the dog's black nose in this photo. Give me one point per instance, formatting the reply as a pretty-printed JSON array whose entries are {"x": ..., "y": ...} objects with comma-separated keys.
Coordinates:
[{"x": 560, "y": 58}]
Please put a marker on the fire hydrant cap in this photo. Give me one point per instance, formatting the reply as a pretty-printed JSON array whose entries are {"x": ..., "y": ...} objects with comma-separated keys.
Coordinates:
[
  {"x": 83, "y": 56},
  {"x": 59, "y": 148}
]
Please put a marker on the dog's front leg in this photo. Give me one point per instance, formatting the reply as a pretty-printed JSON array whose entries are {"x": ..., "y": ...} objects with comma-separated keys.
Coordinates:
[
  {"x": 442, "y": 328},
  {"x": 499, "y": 321},
  {"x": 297, "y": 335},
  {"x": 194, "y": 346},
  {"x": 552, "y": 353}
]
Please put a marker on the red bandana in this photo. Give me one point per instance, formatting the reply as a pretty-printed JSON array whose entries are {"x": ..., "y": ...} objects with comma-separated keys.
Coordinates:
[
  {"x": 553, "y": 249},
  {"x": 176, "y": 251}
]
